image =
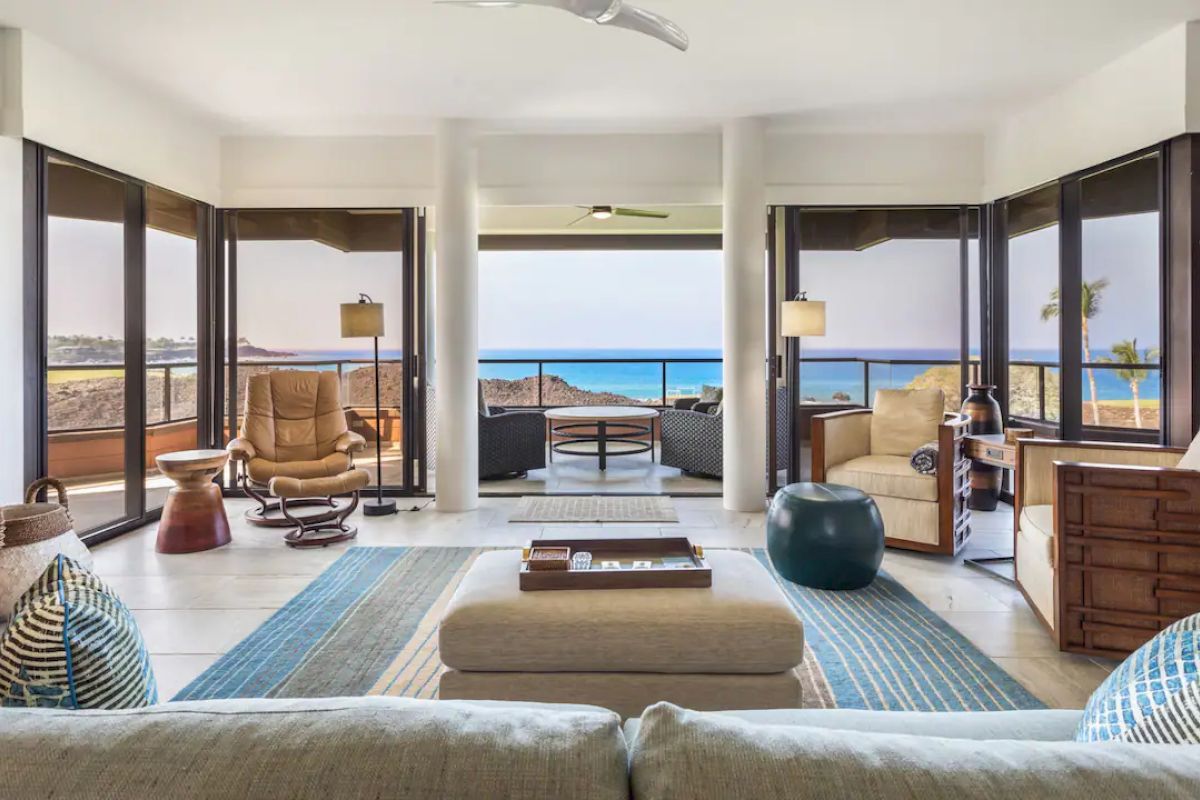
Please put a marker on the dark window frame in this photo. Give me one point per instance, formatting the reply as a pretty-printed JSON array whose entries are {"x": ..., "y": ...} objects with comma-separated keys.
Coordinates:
[
  {"x": 1070, "y": 425},
  {"x": 36, "y": 343},
  {"x": 413, "y": 340},
  {"x": 794, "y": 282}
]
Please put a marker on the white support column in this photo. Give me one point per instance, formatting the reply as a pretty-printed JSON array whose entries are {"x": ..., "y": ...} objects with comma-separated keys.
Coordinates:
[
  {"x": 456, "y": 317},
  {"x": 745, "y": 321}
]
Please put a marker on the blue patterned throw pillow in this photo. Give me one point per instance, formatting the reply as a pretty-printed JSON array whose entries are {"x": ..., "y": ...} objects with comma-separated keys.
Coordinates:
[
  {"x": 72, "y": 643},
  {"x": 1154, "y": 696}
]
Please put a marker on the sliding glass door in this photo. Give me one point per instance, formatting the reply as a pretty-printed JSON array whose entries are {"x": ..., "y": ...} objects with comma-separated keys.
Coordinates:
[
  {"x": 288, "y": 273},
  {"x": 902, "y": 288},
  {"x": 86, "y": 365},
  {"x": 115, "y": 274},
  {"x": 172, "y": 361}
]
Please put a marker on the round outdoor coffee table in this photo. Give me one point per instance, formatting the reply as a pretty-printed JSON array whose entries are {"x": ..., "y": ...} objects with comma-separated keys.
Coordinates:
[
  {"x": 193, "y": 518},
  {"x": 601, "y": 431}
]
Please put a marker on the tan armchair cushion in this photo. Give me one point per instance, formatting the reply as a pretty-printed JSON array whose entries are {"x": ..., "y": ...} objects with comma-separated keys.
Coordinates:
[
  {"x": 905, "y": 419},
  {"x": 847, "y": 436},
  {"x": 888, "y": 476},
  {"x": 292, "y": 415},
  {"x": 1037, "y": 528}
]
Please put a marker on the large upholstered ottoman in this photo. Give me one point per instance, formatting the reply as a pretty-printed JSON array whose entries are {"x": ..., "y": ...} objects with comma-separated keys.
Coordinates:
[{"x": 735, "y": 645}]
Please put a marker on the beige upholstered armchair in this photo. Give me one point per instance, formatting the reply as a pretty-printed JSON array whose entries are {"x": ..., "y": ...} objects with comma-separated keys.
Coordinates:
[
  {"x": 1107, "y": 540},
  {"x": 870, "y": 449},
  {"x": 295, "y": 444}
]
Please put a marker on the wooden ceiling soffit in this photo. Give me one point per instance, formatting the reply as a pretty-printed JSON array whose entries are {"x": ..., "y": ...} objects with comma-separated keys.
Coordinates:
[
  {"x": 76, "y": 192},
  {"x": 345, "y": 231},
  {"x": 864, "y": 228}
]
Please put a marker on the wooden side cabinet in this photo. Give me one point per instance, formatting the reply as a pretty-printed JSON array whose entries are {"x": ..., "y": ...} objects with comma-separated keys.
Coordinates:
[{"x": 1127, "y": 554}]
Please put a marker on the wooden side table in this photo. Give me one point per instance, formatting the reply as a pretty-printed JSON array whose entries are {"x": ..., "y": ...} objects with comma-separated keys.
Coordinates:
[
  {"x": 193, "y": 518},
  {"x": 995, "y": 455}
]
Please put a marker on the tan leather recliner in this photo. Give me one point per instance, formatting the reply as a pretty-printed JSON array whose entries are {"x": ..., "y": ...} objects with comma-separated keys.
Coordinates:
[
  {"x": 295, "y": 444},
  {"x": 870, "y": 449}
]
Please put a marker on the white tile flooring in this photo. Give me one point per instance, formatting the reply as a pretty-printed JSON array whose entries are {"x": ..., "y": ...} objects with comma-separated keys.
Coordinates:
[{"x": 193, "y": 608}]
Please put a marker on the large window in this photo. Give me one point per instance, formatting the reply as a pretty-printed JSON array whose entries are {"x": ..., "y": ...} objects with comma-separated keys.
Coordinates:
[
  {"x": 293, "y": 271},
  {"x": 172, "y": 364},
  {"x": 1033, "y": 305},
  {"x": 1121, "y": 315},
  {"x": 599, "y": 327},
  {"x": 892, "y": 282},
  {"x": 118, "y": 280},
  {"x": 1086, "y": 362},
  {"x": 85, "y": 350}
]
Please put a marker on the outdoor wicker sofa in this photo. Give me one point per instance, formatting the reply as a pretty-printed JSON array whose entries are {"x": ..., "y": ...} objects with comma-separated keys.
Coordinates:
[{"x": 693, "y": 436}]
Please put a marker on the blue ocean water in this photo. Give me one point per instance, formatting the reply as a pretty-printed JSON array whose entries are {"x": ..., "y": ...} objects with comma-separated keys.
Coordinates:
[{"x": 818, "y": 380}]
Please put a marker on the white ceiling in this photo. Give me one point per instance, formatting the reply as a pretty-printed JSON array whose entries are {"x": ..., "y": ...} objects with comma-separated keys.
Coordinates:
[{"x": 333, "y": 67}]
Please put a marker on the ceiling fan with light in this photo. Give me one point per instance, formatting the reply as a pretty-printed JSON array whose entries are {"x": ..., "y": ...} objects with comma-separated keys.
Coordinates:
[
  {"x": 602, "y": 12},
  {"x": 608, "y": 212}
]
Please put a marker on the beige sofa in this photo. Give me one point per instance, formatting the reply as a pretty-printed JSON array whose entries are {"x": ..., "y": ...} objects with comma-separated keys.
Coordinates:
[
  {"x": 399, "y": 749},
  {"x": 870, "y": 449},
  {"x": 1100, "y": 589}
]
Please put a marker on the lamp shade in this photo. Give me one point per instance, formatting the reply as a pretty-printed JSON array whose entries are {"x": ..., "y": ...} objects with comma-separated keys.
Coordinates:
[
  {"x": 802, "y": 318},
  {"x": 362, "y": 320}
]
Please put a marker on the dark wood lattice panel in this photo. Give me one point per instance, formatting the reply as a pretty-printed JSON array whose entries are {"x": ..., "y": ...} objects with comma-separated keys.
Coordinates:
[{"x": 1127, "y": 555}]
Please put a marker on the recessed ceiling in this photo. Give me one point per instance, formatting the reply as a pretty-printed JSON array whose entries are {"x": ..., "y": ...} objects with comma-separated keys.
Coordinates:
[{"x": 318, "y": 67}]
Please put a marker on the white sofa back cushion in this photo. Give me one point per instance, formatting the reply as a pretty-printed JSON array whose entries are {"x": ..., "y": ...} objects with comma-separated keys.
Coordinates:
[
  {"x": 905, "y": 419},
  {"x": 373, "y": 747},
  {"x": 700, "y": 756},
  {"x": 1191, "y": 459}
]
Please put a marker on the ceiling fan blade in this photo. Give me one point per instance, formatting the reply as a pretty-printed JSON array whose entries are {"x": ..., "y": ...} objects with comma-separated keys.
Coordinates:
[
  {"x": 647, "y": 22},
  {"x": 640, "y": 212},
  {"x": 575, "y": 222}
]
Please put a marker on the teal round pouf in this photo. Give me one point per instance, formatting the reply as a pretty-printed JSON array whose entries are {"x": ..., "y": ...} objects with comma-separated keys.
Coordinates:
[{"x": 825, "y": 536}]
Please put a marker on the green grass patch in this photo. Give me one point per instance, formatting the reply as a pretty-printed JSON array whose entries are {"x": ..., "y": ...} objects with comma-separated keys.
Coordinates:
[{"x": 58, "y": 376}]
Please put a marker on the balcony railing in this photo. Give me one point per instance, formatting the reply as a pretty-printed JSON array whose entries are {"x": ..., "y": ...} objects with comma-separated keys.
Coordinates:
[
  {"x": 667, "y": 378},
  {"x": 1044, "y": 406}
]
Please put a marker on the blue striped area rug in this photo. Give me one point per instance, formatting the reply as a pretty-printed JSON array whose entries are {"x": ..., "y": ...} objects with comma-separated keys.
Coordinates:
[{"x": 368, "y": 626}]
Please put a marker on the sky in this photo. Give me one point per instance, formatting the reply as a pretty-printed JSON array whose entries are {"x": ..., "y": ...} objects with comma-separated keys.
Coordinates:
[{"x": 900, "y": 295}]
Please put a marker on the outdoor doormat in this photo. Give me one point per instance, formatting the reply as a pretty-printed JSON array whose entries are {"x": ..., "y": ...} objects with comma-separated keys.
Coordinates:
[{"x": 598, "y": 508}]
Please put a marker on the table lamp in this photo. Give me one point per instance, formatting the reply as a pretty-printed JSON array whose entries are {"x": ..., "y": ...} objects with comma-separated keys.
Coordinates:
[{"x": 360, "y": 320}]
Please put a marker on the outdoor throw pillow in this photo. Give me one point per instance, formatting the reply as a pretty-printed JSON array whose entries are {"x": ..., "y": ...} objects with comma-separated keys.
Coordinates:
[
  {"x": 73, "y": 644},
  {"x": 925, "y": 459},
  {"x": 1154, "y": 696},
  {"x": 711, "y": 394}
]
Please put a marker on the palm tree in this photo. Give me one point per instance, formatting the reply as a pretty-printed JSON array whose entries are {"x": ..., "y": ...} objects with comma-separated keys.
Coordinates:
[
  {"x": 1090, "y": 302},
  {"x": 1126, "y": 352}
]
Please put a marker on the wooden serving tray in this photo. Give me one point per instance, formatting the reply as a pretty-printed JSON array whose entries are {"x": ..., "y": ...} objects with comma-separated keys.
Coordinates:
[{"x": 674, "y": 564}]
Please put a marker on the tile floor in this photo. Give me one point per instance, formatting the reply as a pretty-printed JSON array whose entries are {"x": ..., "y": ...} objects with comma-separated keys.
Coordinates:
[{"x": 193, "y": 608}]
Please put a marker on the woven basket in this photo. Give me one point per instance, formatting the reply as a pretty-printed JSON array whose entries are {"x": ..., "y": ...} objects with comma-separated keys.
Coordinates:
[{"x": 32, "y": 522}]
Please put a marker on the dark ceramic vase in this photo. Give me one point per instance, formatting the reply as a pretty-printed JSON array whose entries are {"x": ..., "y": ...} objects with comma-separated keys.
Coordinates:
[
  {"x": 984, "y": 412},
  {"x": 825, "y": 536}
]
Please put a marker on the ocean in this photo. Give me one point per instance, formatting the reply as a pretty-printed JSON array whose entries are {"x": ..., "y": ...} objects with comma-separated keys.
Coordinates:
[{"x": 819, "y": 381}]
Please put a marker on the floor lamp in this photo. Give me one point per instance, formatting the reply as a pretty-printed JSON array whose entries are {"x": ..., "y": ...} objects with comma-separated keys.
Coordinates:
[
  {"x": 360, "y": 320},
  {"x": 800, "y": 317}
]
